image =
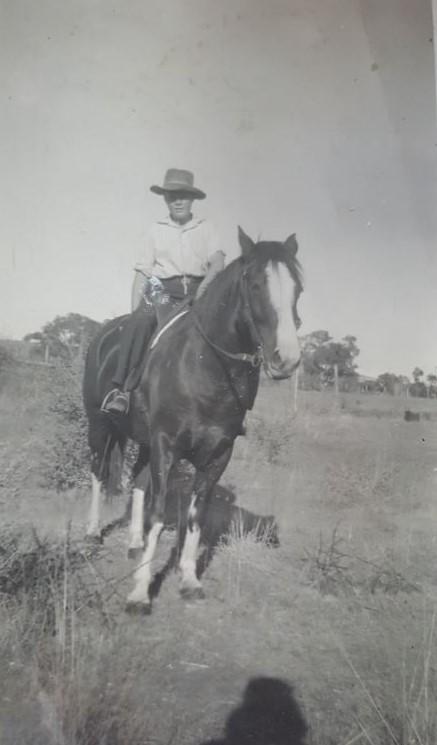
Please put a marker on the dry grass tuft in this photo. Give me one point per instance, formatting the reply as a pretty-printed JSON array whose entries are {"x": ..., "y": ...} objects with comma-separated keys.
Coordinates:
[
  {"x": 404, "y": 713},
  {"x": 327, "y": 566},
  {"x": 334, "y": 569},
  {"x": 60, "y": 646}
]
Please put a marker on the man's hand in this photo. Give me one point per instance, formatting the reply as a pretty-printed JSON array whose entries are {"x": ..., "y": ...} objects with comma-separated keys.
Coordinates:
[{"x": 216, "y": 264}]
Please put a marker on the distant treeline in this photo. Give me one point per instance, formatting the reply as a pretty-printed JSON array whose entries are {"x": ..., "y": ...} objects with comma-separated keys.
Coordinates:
[
  {"x": 326, "y": 362},
  {"x": 329, "y": 363}
]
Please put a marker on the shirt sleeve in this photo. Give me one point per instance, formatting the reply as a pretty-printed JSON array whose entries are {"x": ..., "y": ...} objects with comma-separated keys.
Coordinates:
[
  {"x": 212, "y": 242},
  {"x": 146, "y": 259}
]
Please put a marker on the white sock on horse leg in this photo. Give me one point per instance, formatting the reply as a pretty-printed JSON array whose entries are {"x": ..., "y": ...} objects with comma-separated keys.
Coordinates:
[
  {"x": 143, "y": 573},
  {"x": 137, "y": 519},
  {"x": 188, "y": 560},
  {"x": 93, "y": 527}
]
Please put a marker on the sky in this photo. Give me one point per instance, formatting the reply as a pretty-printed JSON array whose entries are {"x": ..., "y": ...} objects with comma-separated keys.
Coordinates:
[{"x": 308, "y": 116}]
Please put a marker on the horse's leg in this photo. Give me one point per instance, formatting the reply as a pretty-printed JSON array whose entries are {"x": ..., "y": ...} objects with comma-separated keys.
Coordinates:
[
  {"x": 161, "y": 462},
  {"x": 101, "y": 444},
  {"x": 114, "y": 467},
  {"x": 204, "y": 482},
  {"x": 141, "y": 475},
  {"x": 93, "y": 526}
]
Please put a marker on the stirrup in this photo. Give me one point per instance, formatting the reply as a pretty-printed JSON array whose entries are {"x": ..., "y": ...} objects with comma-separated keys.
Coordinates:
[{"x": 110, "y": 397}]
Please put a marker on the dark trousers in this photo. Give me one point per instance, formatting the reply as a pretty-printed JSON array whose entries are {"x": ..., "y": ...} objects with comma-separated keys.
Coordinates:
[
  {"x": 135, "y": 337},
  {"x": 142, "y": 324}
]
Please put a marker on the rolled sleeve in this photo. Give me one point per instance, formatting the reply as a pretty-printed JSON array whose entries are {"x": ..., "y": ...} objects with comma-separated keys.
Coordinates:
[
  {"x": 213, "y": 246},
  {"x": 145, "y": 261}
]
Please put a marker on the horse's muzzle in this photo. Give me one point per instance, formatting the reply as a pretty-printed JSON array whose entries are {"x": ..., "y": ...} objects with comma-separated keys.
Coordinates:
[{"x": 281, "y": 369}]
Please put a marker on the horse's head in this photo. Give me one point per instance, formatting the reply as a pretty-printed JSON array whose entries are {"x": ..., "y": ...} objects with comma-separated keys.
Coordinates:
[{"x": 272, "y": 285}]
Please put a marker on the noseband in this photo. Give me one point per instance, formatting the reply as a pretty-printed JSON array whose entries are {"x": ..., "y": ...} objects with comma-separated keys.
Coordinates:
[{"x": 256, "y": 359}]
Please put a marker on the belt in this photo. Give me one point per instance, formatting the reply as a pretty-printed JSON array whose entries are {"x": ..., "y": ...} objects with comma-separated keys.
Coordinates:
[{"x": 181, "y": 285}]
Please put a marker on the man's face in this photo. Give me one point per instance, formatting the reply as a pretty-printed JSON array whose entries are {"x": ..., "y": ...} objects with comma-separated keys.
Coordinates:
[{"x": 179, "y": 205}]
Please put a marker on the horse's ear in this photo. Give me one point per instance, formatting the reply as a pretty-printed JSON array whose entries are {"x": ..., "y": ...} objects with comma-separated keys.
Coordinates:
[
  {"x": 291, "y": 244},
  {"x": 246, "y": 244}
]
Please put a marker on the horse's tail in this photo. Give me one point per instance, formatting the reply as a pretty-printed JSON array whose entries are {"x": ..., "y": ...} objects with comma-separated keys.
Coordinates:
[{"x": 103, "y": 435}]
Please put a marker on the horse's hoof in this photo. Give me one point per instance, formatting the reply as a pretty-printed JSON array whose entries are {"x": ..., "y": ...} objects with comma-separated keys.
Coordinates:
[
  {"x": 135, "y": 553},
  {"x": 94, "y": 539},
  {"x": 192, "y": 593},
  {"x": 138, "y": 608}
]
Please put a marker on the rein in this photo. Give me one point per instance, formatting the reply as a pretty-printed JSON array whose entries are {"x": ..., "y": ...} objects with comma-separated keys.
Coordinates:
[{"x": 256, "y": 359}]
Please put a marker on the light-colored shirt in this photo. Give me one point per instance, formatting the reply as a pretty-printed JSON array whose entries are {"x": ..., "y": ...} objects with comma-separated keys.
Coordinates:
[{"x": 174, "y": 250}]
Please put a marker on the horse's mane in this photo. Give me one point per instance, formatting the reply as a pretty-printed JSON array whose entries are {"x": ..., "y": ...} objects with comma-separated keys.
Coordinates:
[
  {"x": 263, "y": 252},
  {"x": 223, "y": 282},
  {"x": 266, "y": 251}
]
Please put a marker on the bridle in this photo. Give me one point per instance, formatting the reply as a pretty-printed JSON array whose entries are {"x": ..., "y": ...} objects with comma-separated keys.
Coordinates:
[{"x": 256, "y": 359}]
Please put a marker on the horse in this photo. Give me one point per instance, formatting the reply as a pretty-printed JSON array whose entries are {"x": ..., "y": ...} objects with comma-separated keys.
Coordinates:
[{"x": 200, "y": 377}]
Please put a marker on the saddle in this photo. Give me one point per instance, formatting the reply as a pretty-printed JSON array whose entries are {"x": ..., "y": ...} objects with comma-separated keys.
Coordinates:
[{"x": 181, "y": 310}]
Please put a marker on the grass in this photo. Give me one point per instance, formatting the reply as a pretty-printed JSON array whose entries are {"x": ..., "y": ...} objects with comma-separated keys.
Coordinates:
[
  {"x": 342, "y": 611},
  {"x": 90, "y": 679}
]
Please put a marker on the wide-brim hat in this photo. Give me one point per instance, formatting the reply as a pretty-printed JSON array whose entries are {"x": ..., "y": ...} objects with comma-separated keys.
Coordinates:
[{"x": 178, "y": 180}]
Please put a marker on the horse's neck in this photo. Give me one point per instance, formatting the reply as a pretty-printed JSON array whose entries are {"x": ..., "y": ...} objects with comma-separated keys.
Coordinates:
[{"x": 221, "y": 314}]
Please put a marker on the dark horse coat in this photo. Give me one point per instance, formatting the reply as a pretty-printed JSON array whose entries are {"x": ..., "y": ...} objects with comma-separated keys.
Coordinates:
[{"x": 200, "y": 377}]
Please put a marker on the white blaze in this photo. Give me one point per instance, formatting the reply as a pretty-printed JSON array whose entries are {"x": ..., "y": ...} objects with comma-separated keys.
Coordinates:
[{"x": 282, "y": 288}]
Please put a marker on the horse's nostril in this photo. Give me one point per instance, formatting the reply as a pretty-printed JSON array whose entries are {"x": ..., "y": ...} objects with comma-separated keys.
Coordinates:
[{"x": 276, "y": 358}]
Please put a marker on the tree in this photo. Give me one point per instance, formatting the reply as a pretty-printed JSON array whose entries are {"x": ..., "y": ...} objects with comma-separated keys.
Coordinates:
[
  {"x": 329, "y": 360},
  {"x": 418, "y": 389},
  {"x": 403, "y": 384},
  {"x": 350, "y": 342},
  {"x": 336, "y": 359},
  {"x": 65, "y": 337},
  {"x": 432, "y": 385},
  {"x": 388, "y": 382},
  {"x": 6, "y": 356},
  {"x": 309, "y": 346}
]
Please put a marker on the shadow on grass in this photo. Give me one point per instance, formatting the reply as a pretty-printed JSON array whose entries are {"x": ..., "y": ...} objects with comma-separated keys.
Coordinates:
[
  {"x": 223, "y": 518},
  {"x": 267, "y": 715}
]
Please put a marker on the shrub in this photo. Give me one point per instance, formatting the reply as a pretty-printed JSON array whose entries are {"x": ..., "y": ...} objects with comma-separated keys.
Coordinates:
[
  {"x": 67, "y": 456},
  {"x": 6, "y": 356}
]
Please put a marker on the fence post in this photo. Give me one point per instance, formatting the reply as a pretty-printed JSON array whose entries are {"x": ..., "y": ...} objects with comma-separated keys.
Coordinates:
[
  {"x": 296, "y": 388},
  {"x": 336, "y": 380}
]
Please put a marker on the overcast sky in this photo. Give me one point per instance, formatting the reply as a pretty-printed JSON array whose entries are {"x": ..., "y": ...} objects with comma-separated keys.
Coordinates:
[{"x": 307, "y": 116}]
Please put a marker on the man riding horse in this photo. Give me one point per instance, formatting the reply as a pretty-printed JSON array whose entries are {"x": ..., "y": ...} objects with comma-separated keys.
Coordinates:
[
  {"x": 187, "y": 398},
  {"x": 196, "y": 384},
  {"x": 181, "y": 258}
]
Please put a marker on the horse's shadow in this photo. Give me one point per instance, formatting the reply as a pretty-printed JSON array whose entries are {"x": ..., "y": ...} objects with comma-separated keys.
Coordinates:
[
  {"x": 224, "y": 518},
  {"x": 268, "y": 715}
]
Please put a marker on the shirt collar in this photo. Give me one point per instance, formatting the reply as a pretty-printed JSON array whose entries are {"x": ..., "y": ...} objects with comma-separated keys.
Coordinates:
[{"x": 193, "y": 223}]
